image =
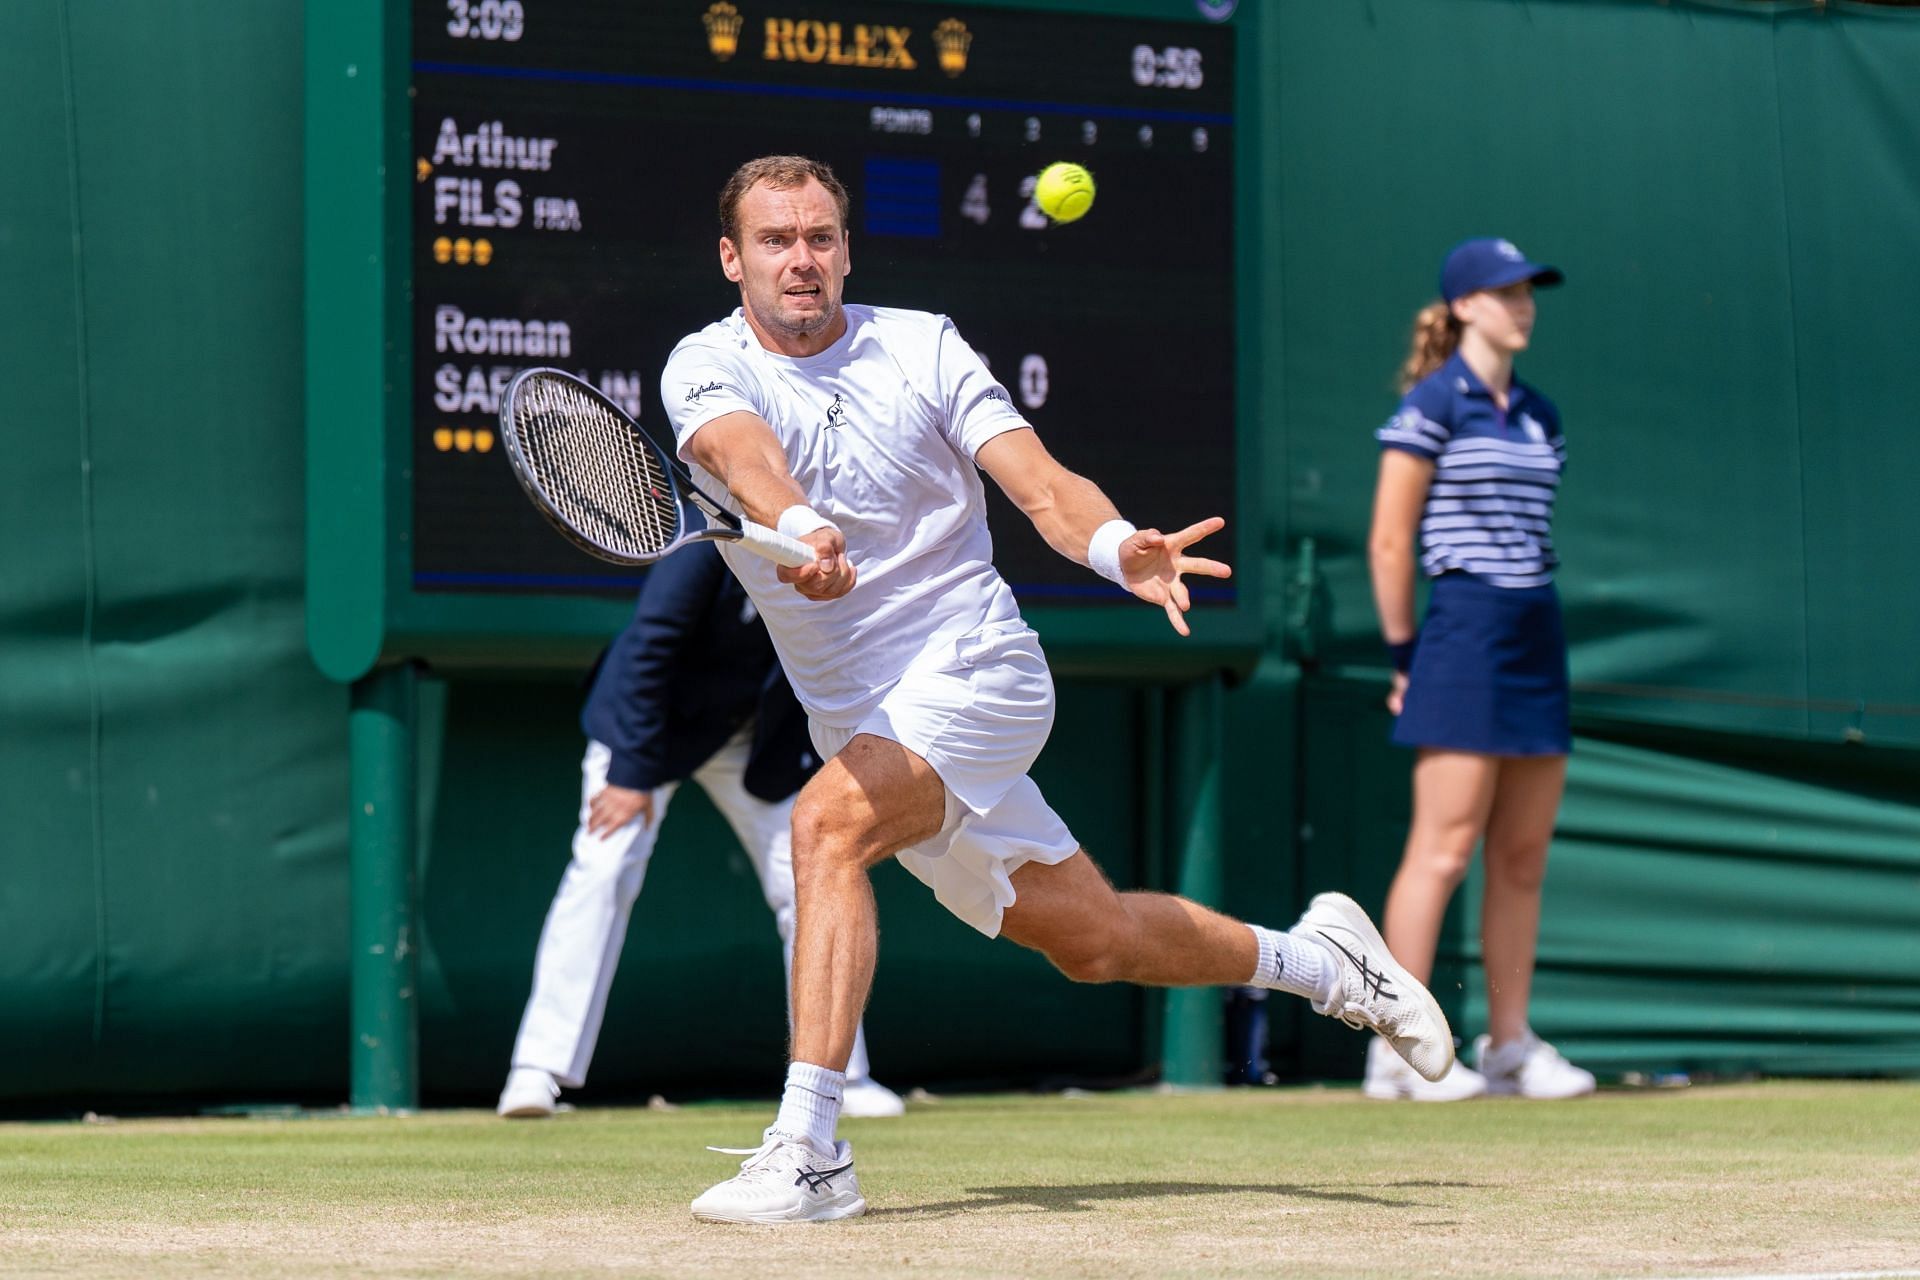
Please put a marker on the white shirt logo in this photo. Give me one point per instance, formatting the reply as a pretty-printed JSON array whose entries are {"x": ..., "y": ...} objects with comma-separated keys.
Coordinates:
[{"x": 1535, "y": 432}]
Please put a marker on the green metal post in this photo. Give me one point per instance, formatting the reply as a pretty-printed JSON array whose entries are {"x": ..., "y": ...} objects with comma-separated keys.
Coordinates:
[
  {"x": 384, "y": 1023},
  {"x": 1190, "y": 1045},
  {"x": 1152, "y": 710}
]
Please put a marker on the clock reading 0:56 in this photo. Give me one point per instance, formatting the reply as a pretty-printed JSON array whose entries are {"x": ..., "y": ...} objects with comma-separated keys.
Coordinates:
[
  {"x": 486, "y": 19},
  {"x": 1168, "y": 68}
]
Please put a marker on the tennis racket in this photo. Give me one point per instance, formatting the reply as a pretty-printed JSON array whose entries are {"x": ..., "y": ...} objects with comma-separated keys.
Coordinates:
[{"x": 605, "y": 484}]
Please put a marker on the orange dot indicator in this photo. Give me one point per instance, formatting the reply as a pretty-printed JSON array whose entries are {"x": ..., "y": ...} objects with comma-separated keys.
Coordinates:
[
  {"x": 442, "y": 250},
  {"x": 463, "y": 440},
  {"x": 462, "y": 250},
  {"x": 483, "y": 441},
  {"x": 443, "y": 439},
  {"x": 483, "y": 252}
]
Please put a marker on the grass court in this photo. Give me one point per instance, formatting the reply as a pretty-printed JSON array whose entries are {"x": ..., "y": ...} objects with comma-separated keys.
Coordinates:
[{"x": 1780, "y": 1178}]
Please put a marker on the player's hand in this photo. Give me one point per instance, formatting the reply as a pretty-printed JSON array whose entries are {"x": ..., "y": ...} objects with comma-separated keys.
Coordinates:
[
  {"x": 614, "y": 807},
  {"x": 1152, "y": 562},
  {"x": 1397, "y": 692},
  {"x": 827, "y": 578}
]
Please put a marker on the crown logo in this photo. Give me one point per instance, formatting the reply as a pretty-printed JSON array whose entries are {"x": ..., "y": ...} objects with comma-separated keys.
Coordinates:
[
  {"x": 952, "y": 39},
  {"x": 723, "y": 23}
]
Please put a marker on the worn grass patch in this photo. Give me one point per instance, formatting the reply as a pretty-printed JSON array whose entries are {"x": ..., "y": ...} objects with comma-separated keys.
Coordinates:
[{"x": 1776, "y": 1178}]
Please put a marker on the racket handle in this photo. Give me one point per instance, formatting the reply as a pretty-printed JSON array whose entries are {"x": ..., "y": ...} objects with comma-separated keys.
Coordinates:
[{"x": 775, "y": 546}]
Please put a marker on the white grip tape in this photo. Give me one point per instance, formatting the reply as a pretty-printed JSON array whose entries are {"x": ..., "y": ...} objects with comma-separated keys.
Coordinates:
[{"x": 777, "y": 547}]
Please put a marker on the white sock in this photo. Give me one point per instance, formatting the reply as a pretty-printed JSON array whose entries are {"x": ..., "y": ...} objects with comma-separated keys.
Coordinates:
[
  {"x": 1296, "y": 965},
  {"x": 810, "y": 1107}
]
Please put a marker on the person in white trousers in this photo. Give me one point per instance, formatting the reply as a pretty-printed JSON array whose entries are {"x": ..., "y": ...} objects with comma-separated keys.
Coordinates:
[{"x": 694, "y": 663}]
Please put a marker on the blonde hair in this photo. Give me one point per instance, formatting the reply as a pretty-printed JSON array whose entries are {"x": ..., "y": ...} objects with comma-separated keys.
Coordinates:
[{"x": 1436, "y": 333}]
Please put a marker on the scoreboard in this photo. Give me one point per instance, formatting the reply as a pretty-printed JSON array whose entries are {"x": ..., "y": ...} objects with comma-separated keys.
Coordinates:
[{"x": 546, "y": 180}]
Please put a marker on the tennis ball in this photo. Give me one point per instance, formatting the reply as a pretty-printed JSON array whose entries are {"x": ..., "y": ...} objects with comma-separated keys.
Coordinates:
[{"x": 1064, "y": 192}]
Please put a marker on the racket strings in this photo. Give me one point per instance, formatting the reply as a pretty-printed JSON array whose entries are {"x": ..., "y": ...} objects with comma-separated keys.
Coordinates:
[{"x": 596, "y": 469}]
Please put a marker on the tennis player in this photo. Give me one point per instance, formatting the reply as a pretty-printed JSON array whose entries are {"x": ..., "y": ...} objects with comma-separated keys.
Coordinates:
[
  {"x": 1470, "y": 465},
  {"x": 863, "y": 431}
]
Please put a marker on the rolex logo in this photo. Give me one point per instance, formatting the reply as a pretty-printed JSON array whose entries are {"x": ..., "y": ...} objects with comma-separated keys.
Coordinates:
[
  {"x": 952, "y": 39},
  {"x": 723, "y": 29}
]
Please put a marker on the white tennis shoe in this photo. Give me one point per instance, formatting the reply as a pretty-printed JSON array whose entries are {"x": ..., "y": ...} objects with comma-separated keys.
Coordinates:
[
  {"x": 1530, "y": 1068},
  {"x": 531, "y": 1094},
  {"x": 1371, "y": 991},
  {"x": 784, "y": 1180},
  {"x": 868, "y": 1099},
  {"x": 1390, "y": 1079}
]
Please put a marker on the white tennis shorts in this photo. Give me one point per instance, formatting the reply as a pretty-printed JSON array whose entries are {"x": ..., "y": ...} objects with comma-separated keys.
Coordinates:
[{"x": 979, "y": 715}]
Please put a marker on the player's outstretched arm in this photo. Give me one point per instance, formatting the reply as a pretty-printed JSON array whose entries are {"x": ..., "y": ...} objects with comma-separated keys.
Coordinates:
[
  {"x": 741, "y": 450},
  {"x": 1068, "y": 509}
]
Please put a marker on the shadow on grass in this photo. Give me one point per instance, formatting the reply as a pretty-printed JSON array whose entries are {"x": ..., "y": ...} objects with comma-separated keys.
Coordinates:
[{"x": 1080, "y": 1199}]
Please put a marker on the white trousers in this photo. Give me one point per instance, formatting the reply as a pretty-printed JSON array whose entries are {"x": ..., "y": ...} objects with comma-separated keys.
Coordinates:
[{"x": 587, "y": 924}]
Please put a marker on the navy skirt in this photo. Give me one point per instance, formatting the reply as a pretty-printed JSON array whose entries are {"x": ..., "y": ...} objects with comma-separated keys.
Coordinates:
[{"x": 1490, "y": 672}]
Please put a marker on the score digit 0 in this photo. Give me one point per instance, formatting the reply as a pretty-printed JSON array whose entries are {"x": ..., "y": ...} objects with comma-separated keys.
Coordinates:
[{"x": 1034, "y": 383}]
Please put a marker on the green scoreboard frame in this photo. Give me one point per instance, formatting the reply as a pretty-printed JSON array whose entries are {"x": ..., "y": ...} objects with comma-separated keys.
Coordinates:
[{"x": 371, "y": 474}]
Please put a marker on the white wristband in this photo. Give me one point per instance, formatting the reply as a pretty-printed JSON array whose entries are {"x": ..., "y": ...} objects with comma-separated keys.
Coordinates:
[
  {"x": 1103, "y": 549},
  {"x": 799, "y": 520}
]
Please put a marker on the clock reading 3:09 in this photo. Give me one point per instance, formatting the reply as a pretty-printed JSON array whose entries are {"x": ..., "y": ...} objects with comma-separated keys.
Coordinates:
[{"x": 567, "y": 154}]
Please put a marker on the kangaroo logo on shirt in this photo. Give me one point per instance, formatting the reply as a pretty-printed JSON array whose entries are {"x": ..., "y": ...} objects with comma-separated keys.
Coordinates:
[
  {"x": 837, "y": 412},
  {"x": 1535, "y": 432}
]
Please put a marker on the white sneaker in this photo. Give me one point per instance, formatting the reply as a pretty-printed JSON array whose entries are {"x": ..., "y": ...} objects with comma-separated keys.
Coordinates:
[
  {"x": 1390, "y": 1079},
  {"x": 531, "y": 1094},
  {"x": 1529, "y": 1068},
  {"x": 870, "y": 1100},
  {"x": 1372, "y": 991},
  {"x": 784, "y": 1180}
]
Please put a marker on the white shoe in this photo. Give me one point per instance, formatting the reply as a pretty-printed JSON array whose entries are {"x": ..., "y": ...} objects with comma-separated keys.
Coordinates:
[
  {"x": 785, "y": 1180},
  {"x": 1372, "y": 991},
  {"x": 1529, "y": 1068},
  {"x": 531, "y": 1094},
  {"x": 1390, "y": 1079},
  {"x": 870, "y": 1100}
]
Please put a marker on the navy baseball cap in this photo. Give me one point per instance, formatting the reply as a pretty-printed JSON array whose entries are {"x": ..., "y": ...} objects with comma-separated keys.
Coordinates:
[{"x": 1489, "y": 263}]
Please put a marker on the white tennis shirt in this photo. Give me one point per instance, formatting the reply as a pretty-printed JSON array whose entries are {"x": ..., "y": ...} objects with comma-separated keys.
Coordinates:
[{"x": 881, "y": 430}]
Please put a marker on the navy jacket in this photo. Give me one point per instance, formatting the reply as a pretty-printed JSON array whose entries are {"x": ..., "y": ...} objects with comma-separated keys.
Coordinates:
[{"x": 687, "y": 672}]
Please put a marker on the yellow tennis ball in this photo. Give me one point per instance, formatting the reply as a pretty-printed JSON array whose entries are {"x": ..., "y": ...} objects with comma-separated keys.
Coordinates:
[{"x": 1064, "y": 192}]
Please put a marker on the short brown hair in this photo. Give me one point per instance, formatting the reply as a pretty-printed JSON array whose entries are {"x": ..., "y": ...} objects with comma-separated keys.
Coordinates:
[{"x": 782, "y": 173}]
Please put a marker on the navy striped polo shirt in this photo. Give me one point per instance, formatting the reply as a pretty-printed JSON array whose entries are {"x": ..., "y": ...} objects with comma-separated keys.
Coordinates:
[{"x": 1490, "y": 509}]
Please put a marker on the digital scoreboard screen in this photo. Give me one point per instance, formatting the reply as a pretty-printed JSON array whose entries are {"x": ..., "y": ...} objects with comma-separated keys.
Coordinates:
[{"x": 567, "y": 157}]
